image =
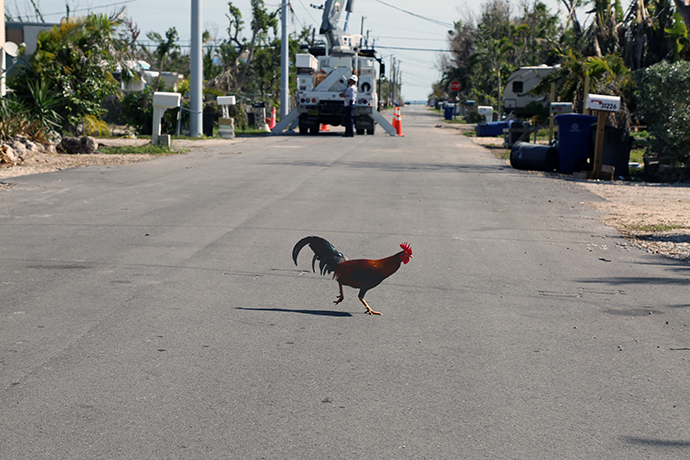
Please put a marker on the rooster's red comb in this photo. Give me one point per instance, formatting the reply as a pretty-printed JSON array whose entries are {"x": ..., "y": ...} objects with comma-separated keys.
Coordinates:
[{"x": 406, "y": 247}]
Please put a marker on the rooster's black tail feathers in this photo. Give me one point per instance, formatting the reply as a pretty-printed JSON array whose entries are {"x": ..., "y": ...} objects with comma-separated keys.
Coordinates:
[{"x": 328, "y": 256}]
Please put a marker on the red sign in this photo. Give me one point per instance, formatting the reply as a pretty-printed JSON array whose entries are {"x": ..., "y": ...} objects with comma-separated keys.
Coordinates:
[{"x": 455, "y": 85}]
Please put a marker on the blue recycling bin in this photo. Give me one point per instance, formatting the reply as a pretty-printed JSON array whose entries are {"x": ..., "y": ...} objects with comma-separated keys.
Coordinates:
[
  {"x": 574, "y": 133},
  {"x": 491, "y": 129},
  {"x": 448, "y": 112}
]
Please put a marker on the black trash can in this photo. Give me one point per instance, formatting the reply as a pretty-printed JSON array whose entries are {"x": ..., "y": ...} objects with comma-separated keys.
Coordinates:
[
  {"x": 616, "y": 152},
  {"x": 514, "y": 137},
  {"x": 208, "y": 120},
  {"x": 533, "y": 157}
]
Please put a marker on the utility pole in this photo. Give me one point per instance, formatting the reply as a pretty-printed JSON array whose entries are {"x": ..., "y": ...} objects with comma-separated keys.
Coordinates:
[
  {"x": 393, "y": 80},
  {"x": 196, "y": 76},
  {"x": 284, "y": 70}
]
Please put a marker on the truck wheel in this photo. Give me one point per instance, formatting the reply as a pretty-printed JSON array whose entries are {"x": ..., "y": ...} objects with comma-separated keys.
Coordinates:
[
  {"x": 303, "y": 129},
  {"x": 360, "y": 132},
  {"x": 314, "y": 130},
  {"x": 371, "y": 131}
]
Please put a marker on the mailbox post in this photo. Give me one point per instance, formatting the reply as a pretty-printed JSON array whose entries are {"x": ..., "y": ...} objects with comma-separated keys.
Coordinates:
[
  {"x": 226, "y": 125},
  {"x": 161, "y": 102},
  {"x": 601, "y": 104}
]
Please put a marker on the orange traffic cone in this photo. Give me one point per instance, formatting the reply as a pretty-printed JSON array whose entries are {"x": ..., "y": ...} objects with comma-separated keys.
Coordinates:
[
  {"x": 272, "y": 122},
  {"x": 395, "y": 118},
  {"x": 398, "y": 124},
  {"x": 324, "y": 127}
]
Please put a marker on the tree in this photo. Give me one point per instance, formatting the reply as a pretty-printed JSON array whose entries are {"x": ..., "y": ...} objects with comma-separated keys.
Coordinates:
[
  {"x": 663, "y": 102},
  {"x": 484, "y": 53},
  {"x": 74, "y": 61},
  {"x": 607, "y": 74},
  {"x": 262, "y": 22},
  {"x": 163, "y": 48},
  {"x": 683, "y": 8}
]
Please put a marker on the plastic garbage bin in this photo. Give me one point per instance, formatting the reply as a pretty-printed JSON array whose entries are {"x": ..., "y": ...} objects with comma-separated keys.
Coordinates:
[
  {"x": 448, "y": 112},
  {"x": 207, "y": 123},
  {"x": 617, "y": 145},
  {"x": 574, "y": 132},
  {"x": 491, "y": 129},
  {"x": 533, "y": 157},
  {"x": 512, "y": 138}
]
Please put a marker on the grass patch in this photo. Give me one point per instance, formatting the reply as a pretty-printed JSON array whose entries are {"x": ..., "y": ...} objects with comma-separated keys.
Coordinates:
[
  {"x": 659, "y": 227},
  {"x": 251, "y": 132},
  {"x": 637, "y": 155},
  {"x": 141, "y": 149}
]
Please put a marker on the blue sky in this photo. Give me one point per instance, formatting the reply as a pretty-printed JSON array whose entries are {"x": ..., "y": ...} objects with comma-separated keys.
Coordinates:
[{"x": 421, "y": 33}]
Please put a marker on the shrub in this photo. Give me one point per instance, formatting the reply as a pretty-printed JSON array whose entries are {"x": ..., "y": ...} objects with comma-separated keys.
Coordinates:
[
  {"x": 137, "y": 112},
  {"x": 70, "y": 70},
  {"x": 16, "y": 119},
  {"x": 663, "y": 103}
]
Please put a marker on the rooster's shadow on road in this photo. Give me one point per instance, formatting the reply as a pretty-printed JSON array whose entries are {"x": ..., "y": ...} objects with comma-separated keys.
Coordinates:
[{"x": 304, "y": 312}]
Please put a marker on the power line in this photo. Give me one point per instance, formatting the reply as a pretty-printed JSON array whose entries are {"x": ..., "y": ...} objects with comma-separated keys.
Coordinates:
[
  {"x": 411, "y": 49},
  {"x": 92, "y": 8},
  {"x": 435, "y": 21}
]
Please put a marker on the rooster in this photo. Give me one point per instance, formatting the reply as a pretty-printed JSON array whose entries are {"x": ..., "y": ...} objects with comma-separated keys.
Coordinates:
[{"x": 362, "y": 274}]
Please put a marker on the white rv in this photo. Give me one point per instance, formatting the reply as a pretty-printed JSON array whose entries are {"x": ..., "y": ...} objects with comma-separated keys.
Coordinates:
[{"x": 516, "y": 95}]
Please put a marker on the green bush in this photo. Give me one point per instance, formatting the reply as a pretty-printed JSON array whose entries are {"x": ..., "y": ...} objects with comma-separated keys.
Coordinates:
[
  {"x": 663, "y": 104},
  {"x": 137, "y": 112},
  {"x": 68, "y": 75}
]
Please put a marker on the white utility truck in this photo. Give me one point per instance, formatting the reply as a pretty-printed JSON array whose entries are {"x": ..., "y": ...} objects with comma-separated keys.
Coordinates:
[{"x": 322, "y": 80}]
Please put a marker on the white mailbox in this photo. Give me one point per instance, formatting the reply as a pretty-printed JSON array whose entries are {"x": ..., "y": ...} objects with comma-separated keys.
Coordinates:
[
  {"x": 487, "y": 111},
  {"x": 226, "y": 125},
  {"x": 225, "y": 100},
  {"x": 167, "y": 100},
  {"x": 161, "y": 102},
  {"x": 604, "y": 103},
  {"x": 561, "y": 107}
]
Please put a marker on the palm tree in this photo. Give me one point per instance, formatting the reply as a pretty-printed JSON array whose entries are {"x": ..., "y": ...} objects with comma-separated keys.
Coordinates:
[
  {"x": 491, "y": 57},
  {"x": 607, "y": 74}
]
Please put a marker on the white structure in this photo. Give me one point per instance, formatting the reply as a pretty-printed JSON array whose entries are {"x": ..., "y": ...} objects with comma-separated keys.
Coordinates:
[
  {"x": 162, "y": 102},
  {"x": 3, "y": 63},
  {"x": 604, "y": 103},
  {"x": 561, "y": 107},
  {"x": 487, "y": 111},
  {"x": 322, "y": 81},
  {"x": 516, "y": 95},
  {"x": 226, "y": 125},
  {"x": 196, "y": 74}
]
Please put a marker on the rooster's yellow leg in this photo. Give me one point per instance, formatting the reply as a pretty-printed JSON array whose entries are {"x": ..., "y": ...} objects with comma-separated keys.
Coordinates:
[
  {"x": 341, "y": 297},
  {"x": 369, "y": 310}
]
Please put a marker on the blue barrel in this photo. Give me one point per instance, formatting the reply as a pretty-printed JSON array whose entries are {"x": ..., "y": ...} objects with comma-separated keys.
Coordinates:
[
  {"x": 448, "y": 112},
  {"x": 491, "y": 129},
  {"x": 574, "y": 133},
  {"x": 533, "y": 157}
]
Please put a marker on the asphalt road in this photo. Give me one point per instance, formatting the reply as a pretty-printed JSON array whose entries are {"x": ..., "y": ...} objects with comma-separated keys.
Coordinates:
[{"x": 152, "y": 310}]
